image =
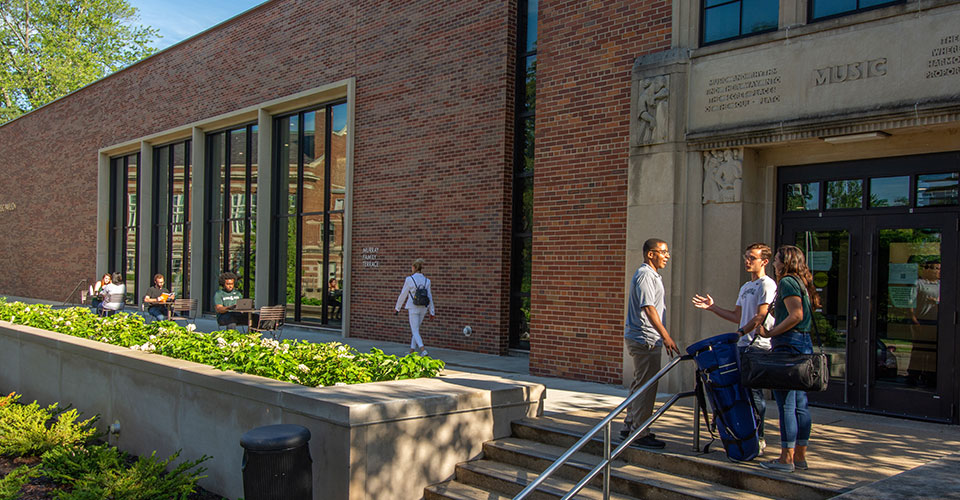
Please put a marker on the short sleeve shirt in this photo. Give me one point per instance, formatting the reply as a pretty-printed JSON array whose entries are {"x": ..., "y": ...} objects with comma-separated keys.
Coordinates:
[
  {"x": 225, "y": 298},
  {"x": 752, "y": 295},
  {"x": 790, "y": 287},
  {"x": 646, "y": 289},
  {"x": 155, "y": 293}
]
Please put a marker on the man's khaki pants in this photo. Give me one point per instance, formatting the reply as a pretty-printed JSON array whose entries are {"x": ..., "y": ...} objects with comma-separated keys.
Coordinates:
[{"x": 646, "y": 364}]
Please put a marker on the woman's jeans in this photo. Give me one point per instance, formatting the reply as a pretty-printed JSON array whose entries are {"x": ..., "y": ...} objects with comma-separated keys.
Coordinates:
[{"x": 795, "y": 420}]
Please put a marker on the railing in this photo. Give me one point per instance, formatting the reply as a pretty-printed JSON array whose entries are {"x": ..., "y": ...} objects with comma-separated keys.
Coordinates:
[
  {"x": 75, "y": 290},
  {"x": 605, "y": 425}
]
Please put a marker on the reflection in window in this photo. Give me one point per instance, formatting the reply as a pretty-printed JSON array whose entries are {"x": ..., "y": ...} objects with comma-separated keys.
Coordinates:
[
  {"x": 171, "y": 220},
  {"x": 803, "y": 196},
  {"x": 312, "y": 146},
  {"x": 821, "y": 9},
  {"x": 845, "y": 194},
  {"x": 908, "y": 308},
  {"x": 937, "y": 189},
  {"x": 828, "y": 257},
  {"x": 728, "y": 19},
  {"x": 231, "y": 228},
  {"x": 890, "y": 191},
  {"x": 124, "y": 237}
]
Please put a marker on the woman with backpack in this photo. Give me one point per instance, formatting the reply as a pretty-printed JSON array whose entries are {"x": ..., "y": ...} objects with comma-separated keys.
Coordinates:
[{"x": 417, "y": 299}]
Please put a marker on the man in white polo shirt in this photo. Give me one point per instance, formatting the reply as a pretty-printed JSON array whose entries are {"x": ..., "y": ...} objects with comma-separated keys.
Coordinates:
[
  {"x": 752, "y": 304},
  {"x": 645, "y": 337}
]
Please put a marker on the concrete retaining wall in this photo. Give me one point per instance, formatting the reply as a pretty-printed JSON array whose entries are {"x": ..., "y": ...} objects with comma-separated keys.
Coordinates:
[{"x": 380, "y": 440}]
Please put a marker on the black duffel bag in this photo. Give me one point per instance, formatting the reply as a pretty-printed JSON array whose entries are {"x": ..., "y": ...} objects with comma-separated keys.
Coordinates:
[{"x": 784, "y": 370}]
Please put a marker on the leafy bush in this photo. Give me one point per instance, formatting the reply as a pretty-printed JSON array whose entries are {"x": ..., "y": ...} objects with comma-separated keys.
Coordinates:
[
  {"x": 31, "y": 430},
  {"x": 146, "y": 479},
  {"x": 11, "y": 485},
  {"x": 300, "y": 362}
]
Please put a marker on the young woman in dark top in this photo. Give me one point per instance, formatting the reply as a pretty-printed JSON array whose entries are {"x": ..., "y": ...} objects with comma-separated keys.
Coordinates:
[{"x": 793, "y": 312}]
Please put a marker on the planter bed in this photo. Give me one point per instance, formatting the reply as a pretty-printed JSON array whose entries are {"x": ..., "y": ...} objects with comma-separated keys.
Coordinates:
[{"x": 375, "y": 440}]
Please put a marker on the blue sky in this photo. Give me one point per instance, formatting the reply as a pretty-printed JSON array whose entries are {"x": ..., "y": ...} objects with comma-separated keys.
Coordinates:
[{"x": 180, "y": 19}]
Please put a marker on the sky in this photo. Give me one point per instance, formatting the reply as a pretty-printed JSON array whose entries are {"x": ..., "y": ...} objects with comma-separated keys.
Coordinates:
[{"x": 180, "y": 19}]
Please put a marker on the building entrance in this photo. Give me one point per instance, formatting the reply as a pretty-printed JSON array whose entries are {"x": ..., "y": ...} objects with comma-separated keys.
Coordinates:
[{"x": 877, "y": 234}]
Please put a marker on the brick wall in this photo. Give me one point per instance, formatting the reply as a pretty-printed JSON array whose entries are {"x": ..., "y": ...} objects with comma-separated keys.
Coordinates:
[
  {"x": 584, "y": 58},
  {"x": 433, "y": 148}
]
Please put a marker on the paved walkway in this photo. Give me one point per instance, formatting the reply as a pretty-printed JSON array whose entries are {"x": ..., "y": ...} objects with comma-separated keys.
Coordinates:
[{"x": 847, "y": 450}]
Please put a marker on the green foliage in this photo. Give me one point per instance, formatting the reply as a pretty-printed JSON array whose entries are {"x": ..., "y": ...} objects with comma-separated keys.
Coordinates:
[
  {"x": 31, "y": 430},
  {"x": 68, "y": 464},
  {"x": 11, "y": 485},
  {"x": 49, "y": 48},
  {"x": 300, "y": 362},
  {"x": 146, "y": 479}
]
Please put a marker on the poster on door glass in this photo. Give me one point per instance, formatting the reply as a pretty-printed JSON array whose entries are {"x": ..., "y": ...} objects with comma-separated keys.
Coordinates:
[{"x": 903, "y": 274}]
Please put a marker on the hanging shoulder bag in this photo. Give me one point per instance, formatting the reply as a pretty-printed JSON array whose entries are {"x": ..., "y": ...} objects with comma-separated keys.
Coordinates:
[{"x": 785, "y": 368}]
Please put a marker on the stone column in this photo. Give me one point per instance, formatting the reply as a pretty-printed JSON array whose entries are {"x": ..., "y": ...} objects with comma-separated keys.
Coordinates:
[
  {"x": 103, "y": 214},
  {"x": 658, "y": 179},
  {"x": 265, "y": 220},
  {"x": 198, "y": 213},
  {"x": 145, "y": 211}
]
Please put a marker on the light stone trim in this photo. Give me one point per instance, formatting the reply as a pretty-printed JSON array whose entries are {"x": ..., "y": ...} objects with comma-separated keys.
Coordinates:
[{"x": 384, "y": 440}]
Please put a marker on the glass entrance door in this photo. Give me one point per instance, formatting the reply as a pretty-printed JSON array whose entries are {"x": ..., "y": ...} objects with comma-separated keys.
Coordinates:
[{"x": 889, "y": 310}]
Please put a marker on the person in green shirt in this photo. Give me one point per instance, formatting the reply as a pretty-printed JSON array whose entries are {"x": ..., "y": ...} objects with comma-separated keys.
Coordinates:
[
  {"x": 793, "y": 312},
  {"x": 225, "y": 299}
]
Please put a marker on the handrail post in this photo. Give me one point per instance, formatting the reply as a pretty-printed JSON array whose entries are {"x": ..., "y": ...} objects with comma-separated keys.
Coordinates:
[
  {"x": 696, "y": 424},
  {"x": 606, "y": 459}
]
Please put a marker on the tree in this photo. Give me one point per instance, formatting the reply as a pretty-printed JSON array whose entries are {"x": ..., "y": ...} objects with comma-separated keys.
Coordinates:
[{"x": 49, "y": 48}]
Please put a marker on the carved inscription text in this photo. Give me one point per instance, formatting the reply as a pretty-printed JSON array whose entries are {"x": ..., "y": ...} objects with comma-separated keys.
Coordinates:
[
  {"x": 945, "y": 58},
  {"x": 742, "y": 90},
  {"x": 849, "y": 72}
]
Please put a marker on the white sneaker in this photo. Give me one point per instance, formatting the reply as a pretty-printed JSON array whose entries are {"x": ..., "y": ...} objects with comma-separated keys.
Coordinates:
[{"x": 423, "y": 352}]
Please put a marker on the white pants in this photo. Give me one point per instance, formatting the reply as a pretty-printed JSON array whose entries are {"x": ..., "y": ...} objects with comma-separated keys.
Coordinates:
[{"x": 416, "y": 318}]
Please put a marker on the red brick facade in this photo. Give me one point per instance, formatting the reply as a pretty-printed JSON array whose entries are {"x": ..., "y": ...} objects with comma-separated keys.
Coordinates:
[
  {"x": 432, "y": 171},
  {"x": 585, "y": 54}
]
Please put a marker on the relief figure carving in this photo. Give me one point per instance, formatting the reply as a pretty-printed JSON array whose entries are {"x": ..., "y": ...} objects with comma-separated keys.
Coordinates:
[
  {"x": 722, "y": 176},
  {"x": 652, "y": 109}
]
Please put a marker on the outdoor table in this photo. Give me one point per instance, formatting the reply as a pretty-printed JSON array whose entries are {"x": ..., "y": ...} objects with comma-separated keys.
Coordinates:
[{"x": 249, "y": 313}]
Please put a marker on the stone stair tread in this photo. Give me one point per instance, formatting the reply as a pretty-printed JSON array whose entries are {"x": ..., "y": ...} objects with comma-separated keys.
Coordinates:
[
  {"x": 574, "y": 428},
  {"x": 692, "y": 487},
  {"x": 522, "y": 477},
  {"x": 455, "y": 490}
]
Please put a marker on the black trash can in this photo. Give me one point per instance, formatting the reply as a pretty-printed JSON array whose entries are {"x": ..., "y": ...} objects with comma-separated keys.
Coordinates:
[{"x": 277, "y": 464}]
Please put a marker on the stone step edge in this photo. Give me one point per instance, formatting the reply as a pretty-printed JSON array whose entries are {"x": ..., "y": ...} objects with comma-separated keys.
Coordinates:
[
  {"x": 622, "y": 472},
  {"x": 555, "y": 485},
  {"x": 760, "y": 474}
]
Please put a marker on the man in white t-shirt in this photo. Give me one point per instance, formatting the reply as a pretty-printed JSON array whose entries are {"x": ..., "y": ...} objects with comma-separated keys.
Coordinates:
[{"x": 752, "y": 304}]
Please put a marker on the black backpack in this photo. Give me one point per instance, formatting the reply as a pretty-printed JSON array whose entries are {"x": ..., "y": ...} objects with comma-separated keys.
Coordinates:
[{"x": 420, "y": 295}]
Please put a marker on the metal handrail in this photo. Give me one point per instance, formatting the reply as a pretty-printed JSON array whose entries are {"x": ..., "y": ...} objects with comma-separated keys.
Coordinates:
[
  {"x": 604, "y": 425},
  {"x": 75, "y": 289}
]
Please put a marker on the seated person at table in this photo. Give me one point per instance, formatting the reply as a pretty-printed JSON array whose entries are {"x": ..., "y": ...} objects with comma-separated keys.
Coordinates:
[
  {"x": 225, "y": 299},
  {"x": 156, "y": 297},
  {"x": 114, "y": 294}
]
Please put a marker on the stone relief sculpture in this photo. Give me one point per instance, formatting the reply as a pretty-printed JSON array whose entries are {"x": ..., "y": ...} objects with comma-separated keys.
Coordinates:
[
  {"x": 652, "y": 109},
  {"x": 722, "y": 176}
]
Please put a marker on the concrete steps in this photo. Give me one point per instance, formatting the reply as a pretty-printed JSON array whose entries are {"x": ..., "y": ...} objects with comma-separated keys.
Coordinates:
[{"x": 509, "y": 464}]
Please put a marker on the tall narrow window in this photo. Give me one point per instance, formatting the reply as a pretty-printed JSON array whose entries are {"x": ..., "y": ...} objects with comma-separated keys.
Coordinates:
[
  {"x": 311, "y": 187},
  {"x": 172, "y": 215},
  {"x": 728, "y": 19},
  {"x": 522, "y": 241},
  {"x": 124, "y": 219},
  {"x": 232, "y": 203}
]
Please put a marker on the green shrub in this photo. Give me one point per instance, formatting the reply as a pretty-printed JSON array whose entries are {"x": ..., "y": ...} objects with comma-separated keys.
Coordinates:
[
  {"x": 300, "y": 362},
  {"x": 12, "y": 483},
  {"x": 29, "y": 430},
  {"x": 68, "y": 464},
  {"x": 146, "y": 479}
]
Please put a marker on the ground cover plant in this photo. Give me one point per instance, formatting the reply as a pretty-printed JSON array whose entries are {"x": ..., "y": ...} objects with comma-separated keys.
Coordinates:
[
  {"x": 305, "y": 363},
  {"x": 49, "y": 453}
]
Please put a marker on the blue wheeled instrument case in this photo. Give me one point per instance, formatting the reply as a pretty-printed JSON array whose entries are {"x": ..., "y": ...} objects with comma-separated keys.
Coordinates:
[{"x": 718, "y": 379}]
